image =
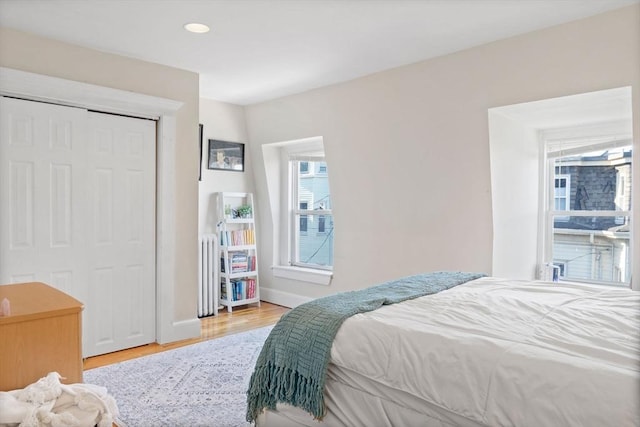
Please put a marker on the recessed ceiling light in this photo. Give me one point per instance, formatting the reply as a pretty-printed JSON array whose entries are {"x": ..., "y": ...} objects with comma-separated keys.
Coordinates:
[{"x": 195, "y": 27}]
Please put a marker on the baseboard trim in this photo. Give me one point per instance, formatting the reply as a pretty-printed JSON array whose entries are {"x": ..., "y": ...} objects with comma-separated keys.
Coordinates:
[{"x": 282, "y": 298}]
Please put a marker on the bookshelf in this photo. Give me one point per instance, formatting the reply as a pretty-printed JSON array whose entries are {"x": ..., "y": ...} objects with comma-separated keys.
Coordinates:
[{"x": 238, "y": 254}]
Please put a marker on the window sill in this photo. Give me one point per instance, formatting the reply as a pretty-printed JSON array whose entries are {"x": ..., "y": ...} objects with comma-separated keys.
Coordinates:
[{"x": 309, "y": 275}]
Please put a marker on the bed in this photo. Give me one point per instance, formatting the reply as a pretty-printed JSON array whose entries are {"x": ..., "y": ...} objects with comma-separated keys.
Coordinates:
[{"x": 488, "y": 352}]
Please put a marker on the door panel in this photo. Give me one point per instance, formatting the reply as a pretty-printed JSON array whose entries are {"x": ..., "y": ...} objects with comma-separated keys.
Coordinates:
[
  {"x": 121, "y": 169},
  {"x": 41, "y": 188}
]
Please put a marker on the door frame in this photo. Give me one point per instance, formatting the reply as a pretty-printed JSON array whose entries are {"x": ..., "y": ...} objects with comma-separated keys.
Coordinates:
[{"x": 37, "y": 87}]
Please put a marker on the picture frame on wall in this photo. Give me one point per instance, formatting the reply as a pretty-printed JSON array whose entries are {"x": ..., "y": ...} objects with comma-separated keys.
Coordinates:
[
  {"x": 225, "y": 155},
  {"x": 201, "y": 126}
]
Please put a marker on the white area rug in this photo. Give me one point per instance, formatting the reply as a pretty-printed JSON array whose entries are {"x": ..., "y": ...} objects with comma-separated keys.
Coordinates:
[{"x": 203, "y": 384}]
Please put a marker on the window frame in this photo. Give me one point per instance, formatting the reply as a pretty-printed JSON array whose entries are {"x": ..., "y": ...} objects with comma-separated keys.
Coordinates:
[
  {"x": 577, "y": 145},
  {"x": 296, "y": 212},
  {"x": 278, "y": 175}
]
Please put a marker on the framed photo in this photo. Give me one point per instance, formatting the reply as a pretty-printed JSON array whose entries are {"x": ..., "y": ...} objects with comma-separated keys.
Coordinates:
[
  {"x": 226, "y": 155},
  {"x": 200, "y": 171}
]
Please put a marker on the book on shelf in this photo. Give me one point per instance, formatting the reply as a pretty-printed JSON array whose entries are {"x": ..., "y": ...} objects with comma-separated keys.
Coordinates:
[
  {"x": 240, "y": 262},
  {"x": 241, "y": 289},
  {"x": 237, "y": 237}
]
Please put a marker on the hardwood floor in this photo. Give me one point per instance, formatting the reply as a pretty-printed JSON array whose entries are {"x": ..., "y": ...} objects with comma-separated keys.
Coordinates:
[{"x": 242, "y": 319}]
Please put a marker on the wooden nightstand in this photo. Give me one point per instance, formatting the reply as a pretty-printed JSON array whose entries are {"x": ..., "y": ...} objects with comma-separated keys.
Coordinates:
[{"x": 43, "y": 334}]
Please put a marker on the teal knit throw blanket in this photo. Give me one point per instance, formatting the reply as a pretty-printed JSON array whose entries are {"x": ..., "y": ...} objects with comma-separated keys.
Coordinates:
[{"x": 292, "y": 365}]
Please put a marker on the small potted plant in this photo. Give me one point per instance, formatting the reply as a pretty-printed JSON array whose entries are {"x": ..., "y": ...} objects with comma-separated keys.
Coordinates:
[{"x": 243, "y": 211}]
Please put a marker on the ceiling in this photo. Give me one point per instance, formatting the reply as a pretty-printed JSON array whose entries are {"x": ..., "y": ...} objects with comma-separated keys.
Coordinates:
[{"x": 263, "y": 49}]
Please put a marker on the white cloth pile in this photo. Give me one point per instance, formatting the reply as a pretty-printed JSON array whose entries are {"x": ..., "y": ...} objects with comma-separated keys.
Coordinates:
[{"x": 49, "y": 403}]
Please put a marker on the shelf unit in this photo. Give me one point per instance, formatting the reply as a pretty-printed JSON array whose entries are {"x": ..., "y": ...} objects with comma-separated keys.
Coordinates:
[{"x": 238, "y": 253}]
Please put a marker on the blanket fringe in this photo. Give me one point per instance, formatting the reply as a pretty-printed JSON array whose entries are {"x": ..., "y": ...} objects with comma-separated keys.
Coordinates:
[{"x": 271, "y": 384}]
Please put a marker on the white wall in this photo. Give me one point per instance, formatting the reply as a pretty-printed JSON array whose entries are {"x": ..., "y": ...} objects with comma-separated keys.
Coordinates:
[
  {"x": 408, "y": 149},
  {"x": 224, "y": 122}
]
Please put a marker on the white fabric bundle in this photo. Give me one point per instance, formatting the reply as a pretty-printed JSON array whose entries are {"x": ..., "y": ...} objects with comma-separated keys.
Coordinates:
[{"x": 49, "y": 403}]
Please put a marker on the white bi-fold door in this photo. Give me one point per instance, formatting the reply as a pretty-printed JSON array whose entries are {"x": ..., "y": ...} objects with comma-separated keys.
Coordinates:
[{"x": 77, "y": 211}]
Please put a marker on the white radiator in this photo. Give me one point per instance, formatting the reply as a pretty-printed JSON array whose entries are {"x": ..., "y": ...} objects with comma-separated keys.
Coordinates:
[{"x": 208, "y": 275}]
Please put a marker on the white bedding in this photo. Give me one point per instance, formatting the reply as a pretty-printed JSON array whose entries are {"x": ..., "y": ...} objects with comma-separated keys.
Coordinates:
[{"x": 491, "y": 352}]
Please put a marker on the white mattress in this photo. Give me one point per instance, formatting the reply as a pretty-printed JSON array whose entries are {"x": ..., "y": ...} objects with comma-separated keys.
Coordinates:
[{"x": 491, "y": 352}]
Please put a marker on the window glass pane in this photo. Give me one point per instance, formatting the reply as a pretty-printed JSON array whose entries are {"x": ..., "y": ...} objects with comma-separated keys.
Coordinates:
[
  {"x": 314, "y": 238},
  {"x": 593, "y": 248},
  {"x": 316, "y": 246},
  {"x": 314, "y": 189},
  {"x": 596, "y": 180}
]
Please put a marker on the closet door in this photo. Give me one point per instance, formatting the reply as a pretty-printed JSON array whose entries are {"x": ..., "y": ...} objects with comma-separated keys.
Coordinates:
[
  {"x": 121, "y": 234},
  {"x": 42, "y": 192},
  {"x": 77, "y": 211}
]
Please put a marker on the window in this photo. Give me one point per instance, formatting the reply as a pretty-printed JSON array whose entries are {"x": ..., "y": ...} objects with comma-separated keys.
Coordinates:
[
  {"x": 525, "y": 141},
  {"x": 589, "y": 209},
  {"x": 321, "y": 224},
  {"x": 303, "y": 218},
  {"x": 562, "y": 268},
  {"x": 312, "y": 240},
  {"x": 620, "y": 196},
  {"x": 561, "y": 193},
  {"x": 298, "y": 185}
]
